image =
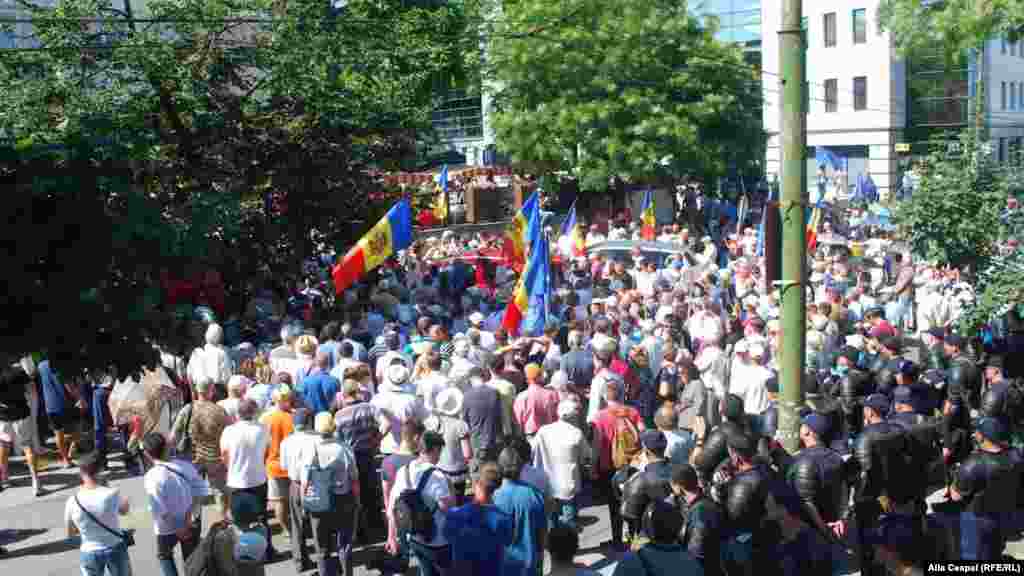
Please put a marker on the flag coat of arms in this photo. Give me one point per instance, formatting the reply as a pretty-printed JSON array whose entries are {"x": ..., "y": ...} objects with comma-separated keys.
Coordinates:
[
  {"x": 392, "y": 233},
  {"x": 648, "y": 223}
]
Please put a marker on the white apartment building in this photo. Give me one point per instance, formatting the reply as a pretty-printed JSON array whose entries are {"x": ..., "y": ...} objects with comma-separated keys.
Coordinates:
[{"x": 864, "y": 99}]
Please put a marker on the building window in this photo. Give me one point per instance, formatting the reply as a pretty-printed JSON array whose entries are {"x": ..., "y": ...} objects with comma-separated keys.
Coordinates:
[
  {"x": 830, "y": 29},
  {"x": 1004, "y": 45},
  {"x": 860, "y": 93},
  {"x": 860, "y": 26},
  {"x": 1013, "y": 95},
  {"x": 1002, "y": 149},
  {"x": 831, "y": 95},
  {"x": 1013, "y": 48},
  {"x": 1003, "y": 96}
]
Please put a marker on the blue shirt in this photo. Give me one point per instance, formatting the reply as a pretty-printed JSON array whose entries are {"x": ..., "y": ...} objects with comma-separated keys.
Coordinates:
[
  {"x": 525, "y": 504},
  {"x": 319, "y": 390},
  {"x": 331, "y": 347},
  {"x": 53, "y": 390},
  {"x": 478, "y": 536}
]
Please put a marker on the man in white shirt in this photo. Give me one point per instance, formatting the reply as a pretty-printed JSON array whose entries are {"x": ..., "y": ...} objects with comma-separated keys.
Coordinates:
[
  {"x": 396, "y": 404},
  {"x": 243, "y": 447},
  {"x": 433, "y": 383},
  {"x": 175, "y": 492},
  {"x": 291, "y": 460},
  {"x": 476, "y": 320},
  {"x": 558, "y": 450},
  {"x": 211, "y": 361},
  {"x": 748, "y": 379},
  {"x": 93, "y": 514},
  {"x": 435, "y": 494}
]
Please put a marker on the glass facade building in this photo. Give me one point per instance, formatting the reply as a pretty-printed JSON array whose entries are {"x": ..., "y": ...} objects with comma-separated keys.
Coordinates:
[{"x": 739, "y": 21}]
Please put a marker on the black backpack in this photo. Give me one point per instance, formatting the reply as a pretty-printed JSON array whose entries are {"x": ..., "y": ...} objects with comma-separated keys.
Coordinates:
[
  {"x": 202, "y": 561},
  {"x": 413, "y": 516}
]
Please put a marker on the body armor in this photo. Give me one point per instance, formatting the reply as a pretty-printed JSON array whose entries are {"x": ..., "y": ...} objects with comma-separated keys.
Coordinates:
[{"x": 964, "y": 382}]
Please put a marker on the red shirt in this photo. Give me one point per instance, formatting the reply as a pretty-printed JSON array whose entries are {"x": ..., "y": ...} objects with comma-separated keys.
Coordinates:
[{"x": 606, "y": 423}]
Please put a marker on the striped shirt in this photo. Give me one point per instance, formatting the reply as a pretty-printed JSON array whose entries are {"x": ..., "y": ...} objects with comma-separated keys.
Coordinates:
[{"x": 357, "y": 426}]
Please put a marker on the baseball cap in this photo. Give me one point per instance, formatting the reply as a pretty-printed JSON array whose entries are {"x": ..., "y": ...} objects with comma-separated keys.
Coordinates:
[
  {"x": 937, "y": 333},
  {"x": 992, "y": 429},
  {"x": 654, "y": 440},
  {"x": 818, "y": 423},
  {"x": 908, "y": 368},
  {"x": 955, "y": 340},
  {"x": 878, "y": 402}
]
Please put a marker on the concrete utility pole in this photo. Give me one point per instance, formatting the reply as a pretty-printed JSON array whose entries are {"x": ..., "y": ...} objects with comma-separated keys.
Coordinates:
[{"x": 794, "y": 242}]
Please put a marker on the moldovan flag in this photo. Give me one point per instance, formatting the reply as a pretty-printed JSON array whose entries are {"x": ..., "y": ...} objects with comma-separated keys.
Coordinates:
[
  {"x": 530, "y": 294},
  {"x": 571, "y": 229},
  {"x": 391, "y": 234},
  {"x": 520, "y": 233},
  {"x": 648, "y": 225},
  {"x": 812, "y": 228}
]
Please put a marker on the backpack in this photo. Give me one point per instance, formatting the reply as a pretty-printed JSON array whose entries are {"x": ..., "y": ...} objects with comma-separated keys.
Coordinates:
[
  {"x": 318, "y": 490},
  {"x": 625, "y": 442},
  {"x": 413, "y": 516},
  {"x": 183, "y": 447},
  {"x": 202, "y": 561}
]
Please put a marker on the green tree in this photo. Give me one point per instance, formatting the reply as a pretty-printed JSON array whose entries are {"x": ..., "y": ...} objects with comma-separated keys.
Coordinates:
[
  {"x": 200, "y": 132},
  {"x": 956, "y": 25},
  {"x": 953, "y": 215},
  {"x": 633, "y": 90}
]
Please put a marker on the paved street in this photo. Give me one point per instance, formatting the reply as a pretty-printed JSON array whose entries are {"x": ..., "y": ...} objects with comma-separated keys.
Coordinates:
[{"x": 38, "y": 545}]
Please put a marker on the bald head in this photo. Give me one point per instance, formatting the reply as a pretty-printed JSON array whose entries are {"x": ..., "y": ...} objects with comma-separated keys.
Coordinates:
[{"x": 323, "y": 360}]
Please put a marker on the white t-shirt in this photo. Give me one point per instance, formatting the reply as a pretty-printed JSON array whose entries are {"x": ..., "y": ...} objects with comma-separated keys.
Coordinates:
[
  {"x": 230, "y": 405},
  {"x": 291, "y": 452},
  {"x": 435, "y": 490},
  {"x": 101, "y": 502},
  {"x": 246, "y": 443}
]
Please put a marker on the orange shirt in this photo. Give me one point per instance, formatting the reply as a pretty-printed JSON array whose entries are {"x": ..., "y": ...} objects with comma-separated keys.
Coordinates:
[{"x": 279, "y": 424}]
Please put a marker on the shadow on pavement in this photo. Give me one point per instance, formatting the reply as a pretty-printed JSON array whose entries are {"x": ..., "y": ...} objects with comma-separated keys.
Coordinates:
[
  {"x": 45, "y": 549},
  {"x": 17, "y": 535}
]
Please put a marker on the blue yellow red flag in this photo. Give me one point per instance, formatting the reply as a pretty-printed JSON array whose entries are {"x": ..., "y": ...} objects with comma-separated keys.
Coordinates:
[{"x": 392, "y": 233}]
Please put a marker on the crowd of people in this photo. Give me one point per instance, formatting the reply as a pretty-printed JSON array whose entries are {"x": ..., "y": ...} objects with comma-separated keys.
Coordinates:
[{"x": 403, "y": 413}]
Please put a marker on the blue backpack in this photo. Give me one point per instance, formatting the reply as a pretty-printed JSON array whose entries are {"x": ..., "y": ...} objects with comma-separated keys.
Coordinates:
[{"x": 318, "y": 492}]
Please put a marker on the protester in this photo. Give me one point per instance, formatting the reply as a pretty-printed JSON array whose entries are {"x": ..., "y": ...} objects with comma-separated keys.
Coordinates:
[
  {"x": 431, "y": 551},
  {"x": 243, "y": 447},
  {"x": 93, "y": 515},
  {"x": 174, "y": 490},
  {"x": 559, "y": 449},
  {"x": 525, "y": 505},
  {"x": 479, "y": 532}
]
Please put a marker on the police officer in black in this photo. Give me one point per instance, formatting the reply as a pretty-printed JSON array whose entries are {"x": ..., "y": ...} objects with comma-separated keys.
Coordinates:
[
  {"x": 868, "y": 472},
  {"x": 650, "y": 484},
  {"x": 703, "y": 521},
  {"x": 745, "y": 543},
  {"x": 986, "y": 482},
  {"x": 904, "y": 413},
  {"x": 964, "y": 381},
  {"x": 816, "y": 472},
  {"x": 935, "y": 355},
  {"x": 711, "y": 452}
]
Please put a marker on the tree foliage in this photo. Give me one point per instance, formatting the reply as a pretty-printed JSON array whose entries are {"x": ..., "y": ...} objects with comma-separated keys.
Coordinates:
[
  {"x": 956, "y": 25},
  {"x": 620, "y": 89},
  {"x": 953, "y": 215},
  {"x": 138, "y": 141}
]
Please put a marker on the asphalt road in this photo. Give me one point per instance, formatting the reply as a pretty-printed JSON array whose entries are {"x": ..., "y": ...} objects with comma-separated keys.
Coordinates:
[{"x": 33, "y": 532}]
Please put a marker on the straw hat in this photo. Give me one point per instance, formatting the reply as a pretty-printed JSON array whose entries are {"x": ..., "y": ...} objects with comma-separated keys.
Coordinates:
[
  {"x": 324, "y": 424},
  {"x": 449, "y": 402},
  {"x": 306, "y": 345}
]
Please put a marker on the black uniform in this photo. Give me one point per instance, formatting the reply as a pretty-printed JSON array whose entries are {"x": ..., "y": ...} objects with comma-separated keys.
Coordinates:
[
  {"x": 964, "y": 381},
  {"x": 745, "y": 542},
  {"x": 703, "y": 526},
  {"x": 817, "y": 475},
  {"x": 987, "y": 482}
]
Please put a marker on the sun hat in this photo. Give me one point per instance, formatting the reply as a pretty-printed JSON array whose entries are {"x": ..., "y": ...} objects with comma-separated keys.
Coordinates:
[{"x": 449, "y": 402}]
